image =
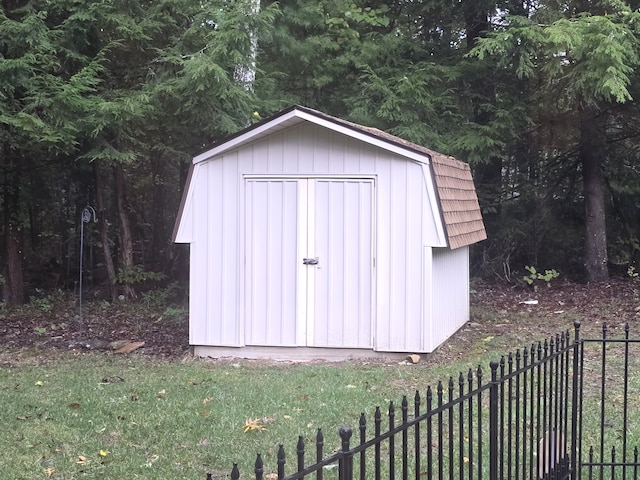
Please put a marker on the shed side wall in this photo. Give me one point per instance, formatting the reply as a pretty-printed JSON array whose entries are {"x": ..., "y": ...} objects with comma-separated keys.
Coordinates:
[{"x": 450, "y": 294}]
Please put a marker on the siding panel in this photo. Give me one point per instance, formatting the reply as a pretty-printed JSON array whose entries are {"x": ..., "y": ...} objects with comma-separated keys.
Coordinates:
[{"x": 450, "y": 293}]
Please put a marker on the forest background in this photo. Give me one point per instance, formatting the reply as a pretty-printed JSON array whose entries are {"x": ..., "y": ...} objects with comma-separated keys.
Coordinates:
[{"x": 104, "y": 103}]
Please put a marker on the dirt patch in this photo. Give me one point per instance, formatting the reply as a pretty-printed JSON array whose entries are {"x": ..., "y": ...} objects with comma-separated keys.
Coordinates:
[
  {"x": 101, "y": 326},
  {"x": 504, "y": 318}
]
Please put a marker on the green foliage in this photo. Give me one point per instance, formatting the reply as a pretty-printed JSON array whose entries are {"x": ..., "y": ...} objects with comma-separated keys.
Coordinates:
[
  {"x": 162, "y": 296},
  {"x": 136, "y": 275},
  {"x": 534, "y": 276},
  {"x": 45, "y": 302},
  {"x": 586, "y": 57},
  {"x": 175, "y": 314},
  {"x": 40, "y": 330},
  {"x": 148, "y": 84}
]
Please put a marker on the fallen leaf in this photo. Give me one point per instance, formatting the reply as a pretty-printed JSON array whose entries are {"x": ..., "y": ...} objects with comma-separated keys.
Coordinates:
[
  {"x": 39, "y": 383},
  {"x": 74, "y": 405},
  {"x": 82, "y": 460},
  {"x": 271, "y": 475},
  {"x": 254, "y": 424},
  {"x": 287, "y": 417},
  {"x": 117, "y": 344},
  {"x": 49, "y": 471},
  {"x": 129, "y": 347},
  {"x": 104, "y": 453}
]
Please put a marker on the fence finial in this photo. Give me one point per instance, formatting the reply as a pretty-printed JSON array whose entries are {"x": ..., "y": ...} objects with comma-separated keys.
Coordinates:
[{"x": 345, "y": 434}]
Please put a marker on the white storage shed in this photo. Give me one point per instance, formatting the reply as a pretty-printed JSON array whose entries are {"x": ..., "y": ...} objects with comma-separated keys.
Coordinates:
[{"x": 313, "y": 237}]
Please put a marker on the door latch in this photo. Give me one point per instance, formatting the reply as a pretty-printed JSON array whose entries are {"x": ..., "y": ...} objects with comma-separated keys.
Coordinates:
[{"x": 310, "y": 261}]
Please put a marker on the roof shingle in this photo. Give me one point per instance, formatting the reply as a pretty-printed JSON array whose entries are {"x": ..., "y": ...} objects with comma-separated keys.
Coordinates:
[{"x": 458, "y": 201}]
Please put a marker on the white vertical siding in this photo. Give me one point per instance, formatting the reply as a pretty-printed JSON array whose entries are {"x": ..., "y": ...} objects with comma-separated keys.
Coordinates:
[
  {"x": 402, "y": 203},
  {"x": 198, "y": 275},
  {"x": 450, "y": 308}
]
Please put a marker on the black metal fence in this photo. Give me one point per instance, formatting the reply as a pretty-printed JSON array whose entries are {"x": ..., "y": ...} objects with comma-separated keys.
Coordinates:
[{"x": 526, "y": 418}]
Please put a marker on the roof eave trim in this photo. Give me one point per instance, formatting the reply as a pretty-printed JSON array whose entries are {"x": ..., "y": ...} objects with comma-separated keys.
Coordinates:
[{"x": 304, "y": 114}]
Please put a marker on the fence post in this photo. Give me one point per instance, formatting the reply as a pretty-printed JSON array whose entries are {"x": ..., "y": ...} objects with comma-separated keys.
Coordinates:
[
  {"x": 574, "y": 400},
  {"x": 259, "y": 467},
  {"x": 345, "y": 465},
  {"x": 494, "y": 410}
]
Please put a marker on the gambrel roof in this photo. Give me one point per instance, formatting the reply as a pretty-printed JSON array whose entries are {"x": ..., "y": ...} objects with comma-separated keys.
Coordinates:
[{"x": 458, "y": 202}]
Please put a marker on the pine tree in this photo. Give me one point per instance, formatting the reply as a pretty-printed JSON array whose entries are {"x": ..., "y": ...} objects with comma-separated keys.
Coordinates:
[{"x": 582, "y": 61}]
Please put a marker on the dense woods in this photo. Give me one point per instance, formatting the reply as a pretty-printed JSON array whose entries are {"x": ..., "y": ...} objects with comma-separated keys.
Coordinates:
[{"x": 103, "y": 104}]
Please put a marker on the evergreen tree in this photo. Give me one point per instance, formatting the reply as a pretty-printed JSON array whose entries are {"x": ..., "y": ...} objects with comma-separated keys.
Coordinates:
[
  {"x": 135, "y": 88},
  {"x": 582, "y": 59}
]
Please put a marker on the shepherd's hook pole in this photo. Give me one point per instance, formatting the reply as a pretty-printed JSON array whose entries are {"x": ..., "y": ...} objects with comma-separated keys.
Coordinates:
[{"x": 87, "y": 213}]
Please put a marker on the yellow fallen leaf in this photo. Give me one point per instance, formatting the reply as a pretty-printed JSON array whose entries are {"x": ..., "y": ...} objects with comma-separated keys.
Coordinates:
[
  {"x": 254, "y": 424},
  {"x": 465, "y": 459},
  {"x": 39, "y": 383},
  {"x": 104, "y": 453}
]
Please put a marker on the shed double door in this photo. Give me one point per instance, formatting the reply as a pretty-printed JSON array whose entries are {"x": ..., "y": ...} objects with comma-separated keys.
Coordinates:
[{"x": 308, "y": 262}]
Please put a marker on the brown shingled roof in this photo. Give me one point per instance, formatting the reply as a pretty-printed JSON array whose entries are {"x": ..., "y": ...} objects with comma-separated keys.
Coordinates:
[{"x": 458, "y": 201}]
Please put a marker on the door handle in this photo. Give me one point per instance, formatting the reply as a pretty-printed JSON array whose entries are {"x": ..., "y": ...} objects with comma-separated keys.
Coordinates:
[{"x": 310, "y": 261}]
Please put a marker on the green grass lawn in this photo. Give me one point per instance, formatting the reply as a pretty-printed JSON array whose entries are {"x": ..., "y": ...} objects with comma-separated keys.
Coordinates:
[{"x": 114, "y": 417}]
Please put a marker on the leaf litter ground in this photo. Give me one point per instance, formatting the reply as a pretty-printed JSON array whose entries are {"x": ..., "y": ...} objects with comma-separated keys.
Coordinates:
[{"x": 504, "y": 317}]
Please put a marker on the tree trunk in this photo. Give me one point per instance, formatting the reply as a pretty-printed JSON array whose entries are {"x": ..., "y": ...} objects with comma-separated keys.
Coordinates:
[
  {"x": 14, "y": 277},
  {"x": 126, "y": 241},
  {"x": 104, "y": 232},
  {"x": 14, "y": 286},
  {"x": 592, "y": 152},
  {"x": 476, "y": 18}
]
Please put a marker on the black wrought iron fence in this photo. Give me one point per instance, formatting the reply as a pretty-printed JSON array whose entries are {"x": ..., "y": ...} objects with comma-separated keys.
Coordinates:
[{"x": 527, "y": 419}]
